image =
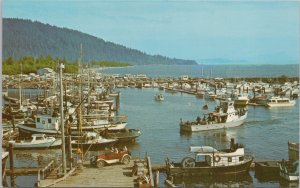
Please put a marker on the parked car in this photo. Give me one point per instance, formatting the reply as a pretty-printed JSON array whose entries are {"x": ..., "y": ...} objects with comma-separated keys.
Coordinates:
[{"x": 110, "y": 157}]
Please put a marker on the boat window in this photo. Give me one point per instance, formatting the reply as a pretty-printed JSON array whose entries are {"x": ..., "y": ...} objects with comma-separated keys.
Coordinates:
[
  {"x": 39, "y": 138},
  {"x": 49, "y": 120},
  {"x": 241, "y": 158},
  {"x": 38, "y": 120},
  {"x": 229, "y": 159}
]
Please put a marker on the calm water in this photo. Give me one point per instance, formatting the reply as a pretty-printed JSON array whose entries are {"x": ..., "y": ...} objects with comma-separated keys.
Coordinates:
[
  {"x": 155, "y": 71},
  {"x": 265, "y": 132}
]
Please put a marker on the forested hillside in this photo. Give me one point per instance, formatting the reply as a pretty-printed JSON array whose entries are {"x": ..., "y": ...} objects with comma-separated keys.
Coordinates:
[{"x": 27, "y": 38}]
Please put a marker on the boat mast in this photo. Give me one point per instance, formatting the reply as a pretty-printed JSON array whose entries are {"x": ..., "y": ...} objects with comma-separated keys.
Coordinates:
[
  {"x": 61, "y": 66},
  {"x": 80, "y": 91},
  {"x": 20, "y": 89}
]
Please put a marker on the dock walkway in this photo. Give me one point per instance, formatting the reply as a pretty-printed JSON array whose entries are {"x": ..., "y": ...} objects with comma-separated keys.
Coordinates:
[{"x": 116, "y": 175}]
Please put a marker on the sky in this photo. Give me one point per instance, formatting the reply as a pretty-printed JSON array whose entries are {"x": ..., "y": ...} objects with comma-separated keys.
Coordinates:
[{"x": 249, "y": 31}]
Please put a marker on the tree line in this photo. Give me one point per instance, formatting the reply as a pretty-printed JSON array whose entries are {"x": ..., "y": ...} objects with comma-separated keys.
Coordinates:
[{"x": 30, "y": 64}]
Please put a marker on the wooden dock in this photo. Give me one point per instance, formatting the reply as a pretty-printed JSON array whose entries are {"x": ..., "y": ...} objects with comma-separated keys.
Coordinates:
[{"x": 116, "y": 175}]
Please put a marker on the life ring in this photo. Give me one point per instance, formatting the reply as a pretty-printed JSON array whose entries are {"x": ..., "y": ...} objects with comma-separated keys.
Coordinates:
[
  {"x": 217, "y": 158},
  {"x": 43, "y": 122}
]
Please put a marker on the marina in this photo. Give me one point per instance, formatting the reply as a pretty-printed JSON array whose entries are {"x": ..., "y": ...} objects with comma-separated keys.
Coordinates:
[
  {"x": 150, "y": 94},
  {"x": 189, "y": 107}
]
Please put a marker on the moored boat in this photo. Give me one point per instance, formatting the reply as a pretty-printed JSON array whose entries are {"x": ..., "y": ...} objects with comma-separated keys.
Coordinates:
[
  {"x": 123, "y": 135},
  {"x": 241, "y": 100},
  {"x": 38, "y": 141},
  {"x": 279, "y": 102},
  {"x": 92, "y": 141},
  {"x": 100, "y": 125},
  {"x": 208, "y": 161},
  {"x": 42, "y": 124},
  {"x": 289, "y": 172},
  {"x": 225, "y": 116}
]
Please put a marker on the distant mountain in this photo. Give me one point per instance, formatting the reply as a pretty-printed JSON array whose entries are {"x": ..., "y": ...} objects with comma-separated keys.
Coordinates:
[{"x": 25, "y": 37}]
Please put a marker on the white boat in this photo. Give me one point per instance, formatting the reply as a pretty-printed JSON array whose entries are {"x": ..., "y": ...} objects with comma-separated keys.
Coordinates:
[
  {"x": 92, "y": 141},
  {"x": 43, "y": 124},
  {"x": 40, "y": 141},
  {"x": 159, "y": 97},
  {"x": 100, "y": 125},
  {"x": 241, "y": 100},
  {"x": 210, "y": 95},
  {"x": 225, "y": 116},
  {"x": 289, "y": 173},
  {"x": 278, "y": 102}
]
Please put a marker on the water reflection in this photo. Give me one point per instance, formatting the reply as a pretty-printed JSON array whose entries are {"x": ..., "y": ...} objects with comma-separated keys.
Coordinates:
[
  {"x": 36, "y": 158},
  {"x": 220, "y": 181}
]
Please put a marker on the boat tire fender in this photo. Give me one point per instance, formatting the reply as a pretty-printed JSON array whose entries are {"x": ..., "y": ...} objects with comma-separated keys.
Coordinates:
[{"x": 217, "y": 158}]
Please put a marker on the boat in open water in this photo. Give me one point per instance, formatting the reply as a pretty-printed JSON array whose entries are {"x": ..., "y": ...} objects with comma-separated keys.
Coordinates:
[
  {"x": 159, "y": 97},
  {"x": 225, "y": 116},
  {"x": 210, "y": 162}
]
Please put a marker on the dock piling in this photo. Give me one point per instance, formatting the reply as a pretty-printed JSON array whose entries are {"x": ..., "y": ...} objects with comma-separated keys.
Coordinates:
[{"x": 11, "y": 165}]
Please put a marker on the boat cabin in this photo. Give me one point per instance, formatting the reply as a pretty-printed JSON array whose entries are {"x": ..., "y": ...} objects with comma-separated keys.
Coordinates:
[
  {"x": 47, "y": 122},
  {"x": 212, "y": 157},
  {"x": 279, "y": 100},
  {"x": 37, "y": 137}
]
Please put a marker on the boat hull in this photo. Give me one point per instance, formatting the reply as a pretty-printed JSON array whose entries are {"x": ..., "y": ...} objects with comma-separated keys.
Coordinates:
[
  {"x": 280, "y": 105},
  {"x": 214, "y": 126},
  {"x": 124, "y": 136},
  {"x": 209, "y": 171},
  {"x": 26, "y": 131},
  {"x": 93, "y": 146},
  {"x": 117, "y": 126},
  {"x": 289, "y": 177},
  {"x": 44, "y": 145},
  {"x": 267, "y": 170}
]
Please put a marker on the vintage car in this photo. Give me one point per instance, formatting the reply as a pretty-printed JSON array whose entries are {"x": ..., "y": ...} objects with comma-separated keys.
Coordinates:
[{"x": 110, "y": 157}]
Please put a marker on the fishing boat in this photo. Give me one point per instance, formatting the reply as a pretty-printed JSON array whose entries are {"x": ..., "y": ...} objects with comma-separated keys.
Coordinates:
[
  {"x": 159, "y": 97},
  {"x": 42, "y": 124},
  {"x": 210, "y": 162},
  {"x": 124, "y": 135},
  {"x": 100, "y": 124},
  {"x": 279, "y": 102},
  {"x": 289, "y": 172},
  {"x": 38, "y": 141},
  {"x": 92, "y": 141},
  {"x": 224, "y": 116},
  {"x": 241, "y": 100}
]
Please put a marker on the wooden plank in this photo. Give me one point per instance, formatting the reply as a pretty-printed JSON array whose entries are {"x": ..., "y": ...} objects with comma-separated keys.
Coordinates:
[
  {"x": 115, "y": 175},
  {"x": 23, "y": 171}
]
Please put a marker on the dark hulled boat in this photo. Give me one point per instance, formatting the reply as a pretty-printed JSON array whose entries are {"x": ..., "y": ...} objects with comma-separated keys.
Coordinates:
[
  {"x": 231, "y": 161},
  {"x": 124, "y": 135}
]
